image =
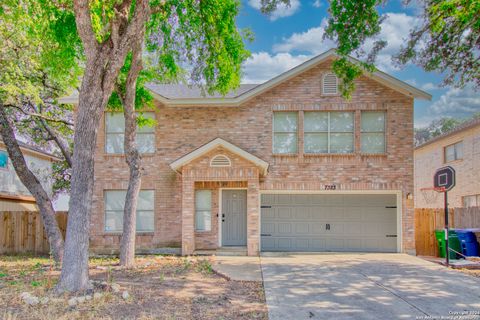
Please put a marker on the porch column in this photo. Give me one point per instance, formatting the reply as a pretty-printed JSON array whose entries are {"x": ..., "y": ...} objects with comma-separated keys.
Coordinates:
[
  {"x": 188, "y": 216},
  {"x": 253, "y": 218}
]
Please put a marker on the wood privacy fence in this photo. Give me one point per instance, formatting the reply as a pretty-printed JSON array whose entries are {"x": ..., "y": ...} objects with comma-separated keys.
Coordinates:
[
  {"x": 22, "y": 232},
  {"x": 429, "y": 220}
]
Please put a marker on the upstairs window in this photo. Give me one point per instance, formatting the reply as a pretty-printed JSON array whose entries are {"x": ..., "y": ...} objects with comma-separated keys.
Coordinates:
[
  {"x": 471, "y": 201},
  {"x": 372, "y": 138},
  {"x": 328, "y": 132},
  {"x": 285, "y": 126},
  {"x": 115, "y": 204},
  {"x": 115, "y": 132},
  {"x": 453, "y": 152},
  {"x": 3, "y": 159},
  {"x": 330, "y": 84}
]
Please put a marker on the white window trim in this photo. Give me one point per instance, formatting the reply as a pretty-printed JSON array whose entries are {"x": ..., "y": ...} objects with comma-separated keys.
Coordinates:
[
  {"x": 336, "y": 85},
  {"x": 328, "y": 132},
  {"x": 290, "y": 132},
  {"x": 122, "y": 211},
  {"x": 454, "y": 145},
  {"x": 211, "y": 211},
  {"x": 384, "y": 131},
  {"x": 116, "y": 133}
]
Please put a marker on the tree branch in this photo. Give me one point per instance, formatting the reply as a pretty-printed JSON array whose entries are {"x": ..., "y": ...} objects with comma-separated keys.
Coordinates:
[
  {"x": 39, "y": 115},
  {"x": 60, "y": 144},
  {"x": 84, "y": 26}
]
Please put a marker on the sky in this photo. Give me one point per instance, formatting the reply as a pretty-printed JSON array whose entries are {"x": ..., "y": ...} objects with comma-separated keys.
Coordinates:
[{"x": 292, "y": 35}]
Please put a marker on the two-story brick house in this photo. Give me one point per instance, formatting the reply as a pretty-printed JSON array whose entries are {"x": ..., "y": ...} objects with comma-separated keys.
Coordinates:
[
  {"x": 460, "y": 149},
  {"x": 287, "y": 165}
]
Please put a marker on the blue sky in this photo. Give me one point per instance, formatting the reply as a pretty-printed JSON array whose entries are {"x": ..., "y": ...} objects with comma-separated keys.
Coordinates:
[{"x": 294, "y": 34}]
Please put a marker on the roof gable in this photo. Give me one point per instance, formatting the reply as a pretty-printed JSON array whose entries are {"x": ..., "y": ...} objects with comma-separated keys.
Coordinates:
[
  {"x": 218, "y": 142},
  {"x": 180, "y": 95}
]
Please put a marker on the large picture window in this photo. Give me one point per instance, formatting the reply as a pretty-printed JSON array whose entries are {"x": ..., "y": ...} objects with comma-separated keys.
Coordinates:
[
  {"x": 203, "y": 210},
  {"x": 328, "y": 132},
  {"x": 373, "y": 132},
  {"x": 285, "y": 126},
  {"x": 115, "y": 204},
  {"x": 115, "y": 132}
]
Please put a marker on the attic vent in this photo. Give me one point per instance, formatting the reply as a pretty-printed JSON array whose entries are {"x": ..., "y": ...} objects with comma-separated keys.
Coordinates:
[
  {"x": 330, "y": 84},
  {"x": 220, "y": 161}
]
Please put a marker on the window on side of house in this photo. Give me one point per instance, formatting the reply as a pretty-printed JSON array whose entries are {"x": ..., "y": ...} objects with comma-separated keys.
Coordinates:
[
  {"x": 372, "y": 139},
  {"x": 453, "y": 152},
  {"x": 328, "y": 132},
  {"x": 115, "y": 204},
  {"x": 285, "y": 126},
  {"x": 471, "y": 201},
  {"x": 115, "y": 132},
  {"x": 3, "y": 159},
  {"x": 203, "y": 210}
]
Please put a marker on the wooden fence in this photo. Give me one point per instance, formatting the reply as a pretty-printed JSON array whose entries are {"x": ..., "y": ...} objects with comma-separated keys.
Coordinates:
[
  {"x": 429, "y": 220},
  {"x": 22, "y": 232}
]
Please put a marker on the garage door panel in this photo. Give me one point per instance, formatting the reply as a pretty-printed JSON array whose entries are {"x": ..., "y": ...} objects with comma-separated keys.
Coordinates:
[{"x": 356, "y": 223}]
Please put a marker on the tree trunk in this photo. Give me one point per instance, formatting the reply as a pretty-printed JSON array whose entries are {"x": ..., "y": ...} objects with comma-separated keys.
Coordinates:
[
  {"x": 94, "y": 95},
  {"x": 103, "y": 63},
  {"x": 31, "y": 182},
  {"x": 133, "y": 159}
]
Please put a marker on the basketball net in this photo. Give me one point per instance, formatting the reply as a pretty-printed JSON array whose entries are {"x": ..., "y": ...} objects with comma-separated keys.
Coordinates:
[{"x": 431, "y": 194}]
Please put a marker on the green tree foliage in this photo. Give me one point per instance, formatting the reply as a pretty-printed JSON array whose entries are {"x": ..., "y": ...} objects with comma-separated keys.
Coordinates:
[{"x": 446, "y": 41}]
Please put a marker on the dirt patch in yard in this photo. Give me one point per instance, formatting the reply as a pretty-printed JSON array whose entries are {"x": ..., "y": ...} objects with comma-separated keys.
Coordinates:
[{"x": 160, "y": 287}]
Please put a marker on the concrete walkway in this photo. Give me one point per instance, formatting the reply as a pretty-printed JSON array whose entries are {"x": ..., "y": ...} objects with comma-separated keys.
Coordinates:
[
  {"x": 238, "y": 268},
  {"x": 365, "y": 286}
]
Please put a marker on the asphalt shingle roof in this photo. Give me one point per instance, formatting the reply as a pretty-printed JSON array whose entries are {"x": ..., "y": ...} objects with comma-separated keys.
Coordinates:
[{"x": 182, "y": 91}]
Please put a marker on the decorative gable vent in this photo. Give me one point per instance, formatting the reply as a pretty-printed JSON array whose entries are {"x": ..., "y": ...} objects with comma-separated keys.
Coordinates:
[
  {"x": 330, "y": 84},
  {"x": 220, "y": 161}
]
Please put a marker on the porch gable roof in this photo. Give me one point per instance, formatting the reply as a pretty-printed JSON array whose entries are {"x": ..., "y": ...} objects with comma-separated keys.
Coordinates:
[{"x": 219, "y": 142}]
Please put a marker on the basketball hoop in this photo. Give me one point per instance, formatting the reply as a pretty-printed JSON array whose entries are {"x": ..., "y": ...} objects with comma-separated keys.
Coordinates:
[{"x": 431, "y": 194}]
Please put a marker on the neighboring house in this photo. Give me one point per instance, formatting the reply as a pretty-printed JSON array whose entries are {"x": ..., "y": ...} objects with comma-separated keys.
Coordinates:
[
  {"x": 14, "y": 196},
  {"x": 460, "y": 149},
  {"x": 287, "y": 165}
]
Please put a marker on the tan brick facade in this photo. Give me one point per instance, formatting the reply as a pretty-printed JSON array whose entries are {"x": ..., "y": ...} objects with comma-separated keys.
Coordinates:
[
  {"x": 430, "y": 157},
  {"x": 180, "y": 130}
]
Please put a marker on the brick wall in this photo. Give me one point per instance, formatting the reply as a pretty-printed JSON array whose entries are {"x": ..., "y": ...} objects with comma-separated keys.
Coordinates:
[
  {"x": 181, "y": 130},
  {"x": 430, "y": 158}
]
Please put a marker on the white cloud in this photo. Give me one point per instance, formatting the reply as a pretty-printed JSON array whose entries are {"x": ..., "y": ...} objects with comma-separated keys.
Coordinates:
[
  {"x": 429, "y": 86},
  {"x": 317, "y": 4},
  {"x": 263, "y": 66},
  {"x": 281, "y": 11},
  {"x": 457, "y": 103},
  {"x": 395, "y": 29}
]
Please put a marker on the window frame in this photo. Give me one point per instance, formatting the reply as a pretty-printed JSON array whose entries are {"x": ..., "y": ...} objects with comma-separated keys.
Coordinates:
[
  {"x": 138, "y": 133},
  {"x": 6, "y": 164},
  {"x": 122, "y": 212},
  {"x": 384, "y": 131},
  {"x": 329, "y": 132},
  {"x": 477, "y": 200},
  {"x": 285, "y": 132},
  {"x": 454, "y": 145},
  {"x": 197, "y": 210}
]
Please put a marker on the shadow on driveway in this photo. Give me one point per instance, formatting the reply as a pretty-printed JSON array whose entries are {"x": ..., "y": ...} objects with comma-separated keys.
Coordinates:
[{"x": 366, "y": 286}]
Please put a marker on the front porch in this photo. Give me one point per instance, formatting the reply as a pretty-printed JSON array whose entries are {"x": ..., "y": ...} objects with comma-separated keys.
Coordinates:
[{"x": 231, "y": 177}]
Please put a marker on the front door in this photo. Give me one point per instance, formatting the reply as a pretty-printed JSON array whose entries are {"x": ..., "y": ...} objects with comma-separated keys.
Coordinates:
[{"x": 234, "y": 217}]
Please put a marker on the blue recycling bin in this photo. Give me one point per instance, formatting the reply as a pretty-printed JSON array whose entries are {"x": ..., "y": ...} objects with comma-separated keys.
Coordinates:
[{"x": 468, "y": 243}]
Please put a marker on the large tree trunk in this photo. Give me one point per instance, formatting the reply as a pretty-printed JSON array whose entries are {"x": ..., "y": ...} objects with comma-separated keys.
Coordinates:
[
  {"x": 133, "y": 159},
  {"x": 103, "y": 63},
  {"x": 31, "y": 182}
]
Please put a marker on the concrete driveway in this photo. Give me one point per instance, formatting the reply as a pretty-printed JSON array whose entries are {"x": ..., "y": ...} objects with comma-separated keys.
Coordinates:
[{"x": 366, "y": 286}]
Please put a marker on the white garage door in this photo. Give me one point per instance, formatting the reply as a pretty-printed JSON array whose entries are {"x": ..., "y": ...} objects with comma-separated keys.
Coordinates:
[{"x": 339, "y": 222}]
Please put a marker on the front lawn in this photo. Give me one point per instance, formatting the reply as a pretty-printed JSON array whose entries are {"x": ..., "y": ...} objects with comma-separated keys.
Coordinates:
[{"x": 160, "y": 287}]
